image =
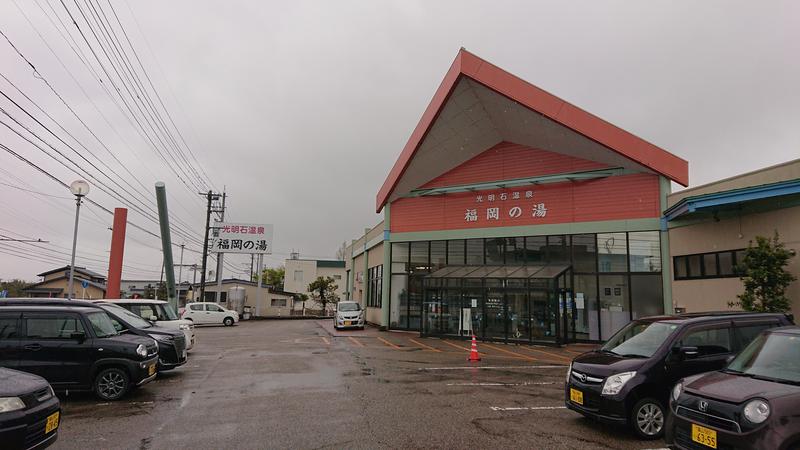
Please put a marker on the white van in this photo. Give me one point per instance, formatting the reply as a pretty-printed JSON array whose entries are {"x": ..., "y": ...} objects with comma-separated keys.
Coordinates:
[{"x": 159, "y": 312}]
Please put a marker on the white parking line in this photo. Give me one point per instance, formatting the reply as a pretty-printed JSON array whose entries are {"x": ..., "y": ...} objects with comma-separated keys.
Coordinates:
[
  {"x": 525, "y": 408},
  {"x": 491, "y": 367},
  {"x": 538, "y": 383}
]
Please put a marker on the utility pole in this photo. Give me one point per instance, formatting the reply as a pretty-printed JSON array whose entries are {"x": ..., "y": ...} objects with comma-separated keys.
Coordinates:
[
  {"x": 220, "y": 255},
  {"x": 180, "y": 266},
  {"x": 209, "y": 197}
]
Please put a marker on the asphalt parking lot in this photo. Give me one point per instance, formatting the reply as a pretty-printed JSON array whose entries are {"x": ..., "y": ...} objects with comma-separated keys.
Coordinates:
[{"x": 300, "y": 384}]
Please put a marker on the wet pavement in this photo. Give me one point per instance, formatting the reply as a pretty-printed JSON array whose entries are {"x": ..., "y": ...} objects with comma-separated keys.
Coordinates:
[{"x": 300, "y": 384}]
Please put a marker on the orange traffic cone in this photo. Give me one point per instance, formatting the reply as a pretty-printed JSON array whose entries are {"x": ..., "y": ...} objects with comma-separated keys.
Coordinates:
[{"x": 473, "y": 353}]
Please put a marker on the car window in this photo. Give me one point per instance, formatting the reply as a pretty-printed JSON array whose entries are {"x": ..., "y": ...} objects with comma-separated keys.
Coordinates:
[
  {"x": 194, "y": 307},
  {"x": 52, "y": 327},
  {"x": 117, "y": 325},
  {"x": 713, "y": 341},
  {"x": 640, "y": 339},
  {"x": 213, "y": 308},
  {"x": 101, "y": 324},
  {"x": 349, "y": 307},
  {"x": 8, "y": 327},
  {"x": 746, "y": 333},
  {"x": 166, "y": 312}
]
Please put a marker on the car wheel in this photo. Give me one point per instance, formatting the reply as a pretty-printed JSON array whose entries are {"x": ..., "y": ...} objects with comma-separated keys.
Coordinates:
[
  {"x": 648, "y": 418},
  {"x": 111, "y": 383},
  {"x": 228, "y": 321}
]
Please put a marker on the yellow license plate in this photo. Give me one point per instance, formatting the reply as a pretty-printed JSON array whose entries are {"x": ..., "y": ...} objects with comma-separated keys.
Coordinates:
[
  {"x": 151, "y": 370},
  {"x": 347, "y": 323},
  {"x": 52, "y": 422},
  {"x": 576, "y": 396},
  {"x": 705, "y": 436}
]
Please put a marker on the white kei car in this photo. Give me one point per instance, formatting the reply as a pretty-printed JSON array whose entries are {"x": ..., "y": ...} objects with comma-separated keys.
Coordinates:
[
  {"x": 160, "y": 313},
  {"x": 209, "y": 313}
]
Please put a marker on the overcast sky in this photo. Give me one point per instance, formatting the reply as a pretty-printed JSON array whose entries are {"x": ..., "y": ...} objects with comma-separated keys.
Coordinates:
[{"x": 299, "y": 109}]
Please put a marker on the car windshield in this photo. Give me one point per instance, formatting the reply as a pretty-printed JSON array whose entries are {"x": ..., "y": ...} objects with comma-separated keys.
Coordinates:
[
  {"x": 639, "y": 339},
  {"x": 773, "y": 356},
  {"x": 349, "y": 307},
  {"x": 132, "y": 319},
  {"x": 101, "y": 324}
]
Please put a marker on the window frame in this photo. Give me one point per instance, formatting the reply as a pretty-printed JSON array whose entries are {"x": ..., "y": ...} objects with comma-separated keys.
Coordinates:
[{"x": 683, "y": 261}]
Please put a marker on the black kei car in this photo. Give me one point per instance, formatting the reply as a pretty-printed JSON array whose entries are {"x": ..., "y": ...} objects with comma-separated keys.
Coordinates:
[
  {"x": 30, "y": 412},
  {"x": 753, "y": 403},
  {"x": 628, "y": 380},
  {"x": 75, "y": 348},
  {"x": 171, "y": 343}
]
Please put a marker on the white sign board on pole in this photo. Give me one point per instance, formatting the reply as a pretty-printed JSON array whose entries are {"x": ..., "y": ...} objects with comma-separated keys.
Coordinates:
[{"x": 245, "y": 238}]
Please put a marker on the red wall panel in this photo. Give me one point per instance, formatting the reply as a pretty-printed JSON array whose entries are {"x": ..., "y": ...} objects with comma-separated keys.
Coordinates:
[{"x": 614, "y": 198}]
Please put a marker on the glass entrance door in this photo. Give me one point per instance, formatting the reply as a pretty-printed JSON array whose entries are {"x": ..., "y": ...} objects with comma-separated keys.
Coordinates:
[
  {"x": 432, "y": 312},
  {"x": 495, "y": 313}
]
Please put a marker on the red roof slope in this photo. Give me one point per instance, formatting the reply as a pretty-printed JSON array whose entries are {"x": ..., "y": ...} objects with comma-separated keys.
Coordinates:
[{"x": 558, "y": 110}]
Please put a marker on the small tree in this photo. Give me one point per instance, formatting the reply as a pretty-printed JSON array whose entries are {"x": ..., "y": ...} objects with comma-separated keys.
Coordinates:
[
  {"x": 301, "y": 298},
  {"x": 764, "y": 276},
  {"x": 323, "y": 290},
  {"x": 273, "y": 277},
  {"x": 14, "y": 288}
]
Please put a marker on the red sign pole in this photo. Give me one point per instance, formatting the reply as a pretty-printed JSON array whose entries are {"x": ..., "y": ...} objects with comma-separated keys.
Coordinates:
[{"x": 117, "y": 250}]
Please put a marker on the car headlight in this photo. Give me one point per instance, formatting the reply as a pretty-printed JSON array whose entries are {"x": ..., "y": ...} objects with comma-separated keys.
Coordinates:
[
  {"x": 8, "y": 404},
  {"x": 756, "y": 411},
  {"x": 185, "y": 327},
  {"x": 676, "y": 391},
  {"x": 614, "y": 383},
  {"x": 141, "y": 350},
  {"x": 569, "y": 372}
]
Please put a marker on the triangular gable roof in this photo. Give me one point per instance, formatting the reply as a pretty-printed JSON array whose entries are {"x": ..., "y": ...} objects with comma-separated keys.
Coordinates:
[{"x": 592, "y": 127}]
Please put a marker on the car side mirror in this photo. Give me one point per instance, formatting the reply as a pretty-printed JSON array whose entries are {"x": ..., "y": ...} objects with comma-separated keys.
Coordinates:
[
  {"x": 153, "y": 318},
  {"x": 79, "y": 336},
  {"x": 689, "y": 352}
]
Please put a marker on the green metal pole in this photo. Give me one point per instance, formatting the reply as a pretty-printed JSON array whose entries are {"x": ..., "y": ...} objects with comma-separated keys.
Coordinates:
[{"x": 166, "y": 243}]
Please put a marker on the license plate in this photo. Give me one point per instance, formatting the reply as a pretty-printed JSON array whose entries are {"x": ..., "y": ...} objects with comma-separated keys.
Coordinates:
[
  {"x": 347, "y": 323},
  {"x": 151, "y": 370},
  {"x": 705, "y": 436},
  {"x": 576, "y": 396},
  {"x": 52, "y": 422}
]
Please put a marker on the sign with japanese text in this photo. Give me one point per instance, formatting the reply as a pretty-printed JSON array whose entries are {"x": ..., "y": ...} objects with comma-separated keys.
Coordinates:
[{"x": 241, "y": 238}]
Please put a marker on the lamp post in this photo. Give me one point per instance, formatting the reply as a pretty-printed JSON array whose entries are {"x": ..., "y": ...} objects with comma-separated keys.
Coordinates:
[{"x": 79, "y": 188}]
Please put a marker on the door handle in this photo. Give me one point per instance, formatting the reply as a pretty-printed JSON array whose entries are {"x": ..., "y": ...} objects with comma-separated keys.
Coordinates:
[{"x": 33, "y": 347}]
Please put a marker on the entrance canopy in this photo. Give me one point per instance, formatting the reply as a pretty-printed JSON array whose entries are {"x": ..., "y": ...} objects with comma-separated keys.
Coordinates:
[
  {"x": 518, "y": 272},
  {"x": 479, "y": 105}
]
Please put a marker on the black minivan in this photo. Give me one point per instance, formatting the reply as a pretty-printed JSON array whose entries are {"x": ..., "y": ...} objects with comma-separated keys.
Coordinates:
[
  {"x": 628, "y": 380},
  {"x": 75, "y": 348}
]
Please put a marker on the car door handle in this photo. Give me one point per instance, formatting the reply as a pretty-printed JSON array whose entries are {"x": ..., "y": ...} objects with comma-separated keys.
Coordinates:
[{"x": 33, "y": 347}]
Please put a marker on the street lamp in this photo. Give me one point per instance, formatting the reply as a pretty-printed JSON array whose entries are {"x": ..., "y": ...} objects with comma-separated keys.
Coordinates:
[{"x": 79, "y": 188}]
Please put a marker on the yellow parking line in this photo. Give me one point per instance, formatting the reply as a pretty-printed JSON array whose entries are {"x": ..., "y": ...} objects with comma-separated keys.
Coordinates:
[
  {"x": 325, "y": 340},
  {"x": 355, "y": 341},
  {"x": 388, "y": 343},
  {"x": 565, "y": 358},
  {"x": 426, "y": 346},
  {"x": 518, "y": 355}
]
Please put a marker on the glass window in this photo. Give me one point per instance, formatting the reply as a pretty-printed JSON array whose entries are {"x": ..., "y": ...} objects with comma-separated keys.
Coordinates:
[
  {"x": 196, "y": 307},
  {"x": 474, "y": 252},
  {"x": 54, "y": 327},
  {"x": 348, "y": 307},
  {"x": 455, "y": 252},
  {"x": 726, "y": 264},
  {"x": 640, "y": 338},
  {"x": 8, "y": 326},
  {"x": 515, "y": 251},
  {"x": 708, "y": 342},
  {"x": 773, "y": 356},
  {"x": 614, "y": 304},
  {"x": 584, "y": 308},
  {"x": 419, "y": 257},
  {"x": 535, "y": 249},
  {"x": 680, "y": 268},
  {"x": 584, "y": 253},
  {"x": 695, "y": 264},
  {"x": 494, "y": 251},
  {"x": 647, "y": 296},
  {"x": 746, "y": 334},
  {"x": 438, "y": 254},
  {"x": 557, "y": 250},
  {"x": 398, "y": 301},
  {"x": 645, "y": 251},
  {"x": 612, "y": 252},
  {"x": 710, "y": 264},
  {"x": 213, "y": 308},
  {"x": 400, "y": 257},
  {"x": 298, "y": 275},
  {"x": 278, "y": 302},
  {"x": 101, "y": 324},
  {"x": 414, "y": 302}
]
